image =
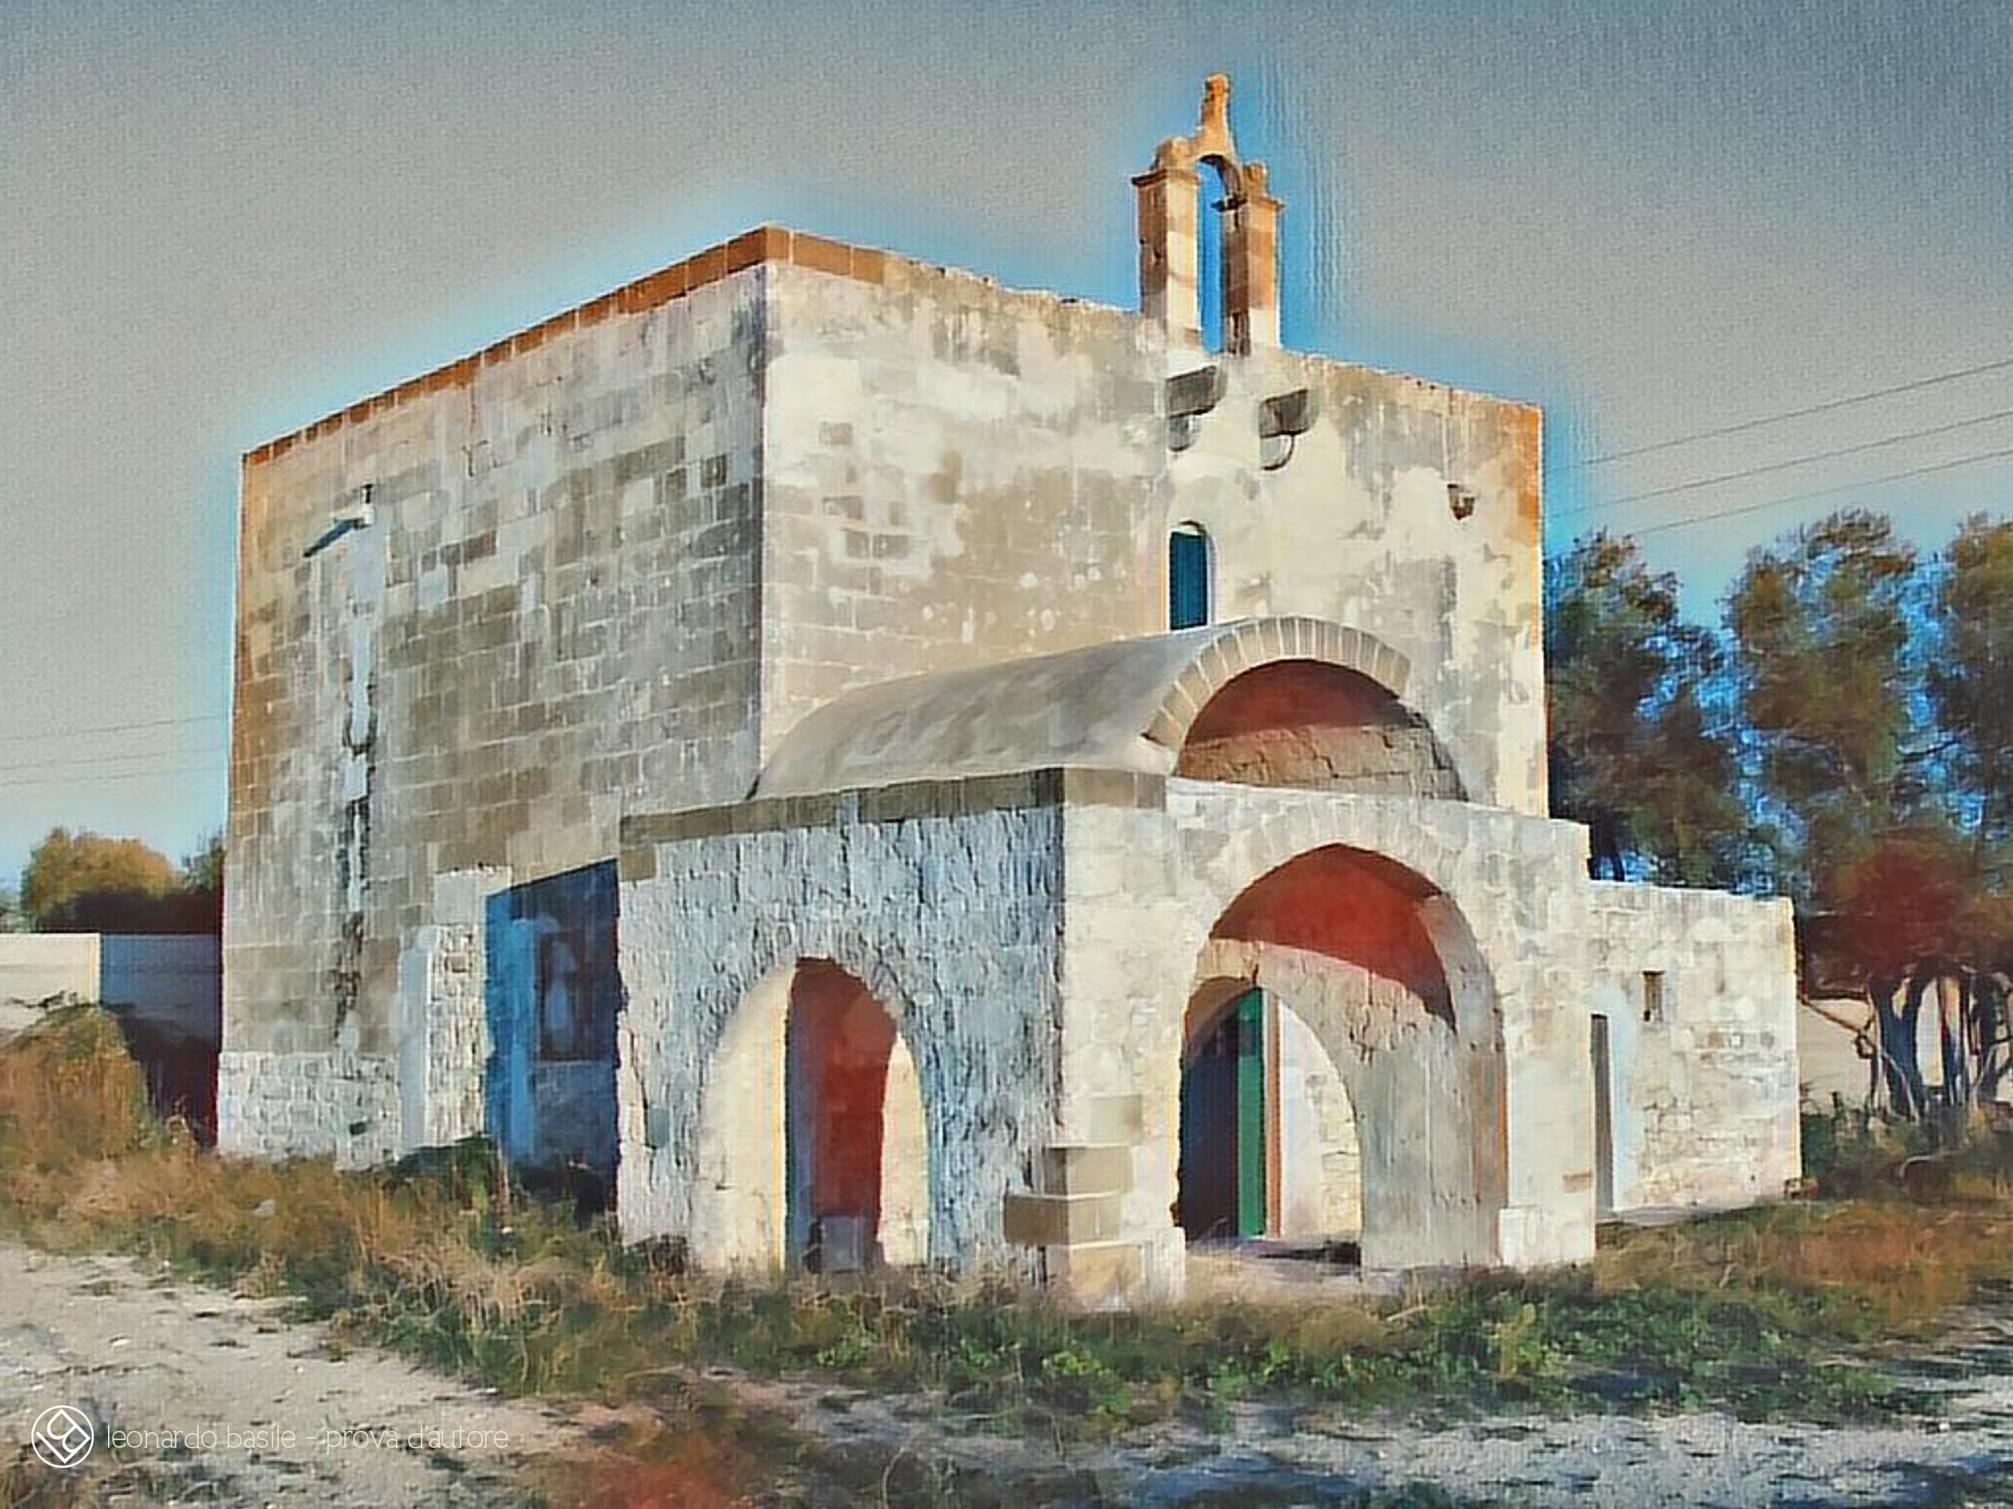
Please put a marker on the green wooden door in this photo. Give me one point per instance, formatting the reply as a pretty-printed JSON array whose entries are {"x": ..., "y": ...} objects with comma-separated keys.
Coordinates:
[{"x": 1249, "y": 1017}]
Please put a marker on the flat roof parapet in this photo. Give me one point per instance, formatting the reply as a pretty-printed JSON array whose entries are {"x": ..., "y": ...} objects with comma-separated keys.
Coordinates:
[{"x": 767, "y": 243}]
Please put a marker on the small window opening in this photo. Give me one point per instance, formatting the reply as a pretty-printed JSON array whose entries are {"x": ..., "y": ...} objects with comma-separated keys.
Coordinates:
[
  {"x": 1189, "y": 590},
  {"x": 1653, "y": 995}
]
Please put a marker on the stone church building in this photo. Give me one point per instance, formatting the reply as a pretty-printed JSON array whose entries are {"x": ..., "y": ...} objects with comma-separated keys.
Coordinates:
[{"x": 880, "y": 767}]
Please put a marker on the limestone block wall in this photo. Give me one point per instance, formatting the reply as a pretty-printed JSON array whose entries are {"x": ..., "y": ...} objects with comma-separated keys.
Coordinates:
[
  {"x": 961, "y": 474},
  {"x": 1704, "y": 1083},
  {"x": 957, "y": 474},
  {"x": 943, "y": 900},
  {"x": 1145, "y": 886},
  {"x": 550, "y": 617},
  {"x": 278, "y": 1105},
  {"x": 441, "y": 1023}
]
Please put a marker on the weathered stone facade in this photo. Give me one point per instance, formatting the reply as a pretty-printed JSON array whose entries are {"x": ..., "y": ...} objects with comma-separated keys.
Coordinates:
[{"x": 971, "y": 903}]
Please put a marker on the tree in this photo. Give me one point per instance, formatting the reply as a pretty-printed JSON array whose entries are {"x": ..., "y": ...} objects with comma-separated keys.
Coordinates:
[
  {"x": 204, "y": 869},
  {"x": 1971, "y": 678},
  {"x": 1905, "y": 903},
  {"x": 203, "y": 882},
  {"x": 1637, "y": 749},
  {"x": 1880, "y": 698},
  {"x": 1821, "y": 632},
  {"x": 69, "y": 876}
]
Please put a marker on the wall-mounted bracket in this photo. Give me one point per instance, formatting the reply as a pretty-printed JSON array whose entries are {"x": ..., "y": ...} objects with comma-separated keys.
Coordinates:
[
  {"x": 1280, "y": 418},
  {"x": 359, "y": 513},
  {"x": 1189, "y": 396}
]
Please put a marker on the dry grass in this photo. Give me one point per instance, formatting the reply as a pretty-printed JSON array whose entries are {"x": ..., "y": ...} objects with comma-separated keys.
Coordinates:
[
  {"x": 1892, "y": 1267},
  {"x": 442, "y": 1262}
]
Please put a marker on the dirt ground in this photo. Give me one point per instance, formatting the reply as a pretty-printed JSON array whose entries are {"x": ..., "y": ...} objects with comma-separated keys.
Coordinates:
[{"x": 140, "y": 1352}]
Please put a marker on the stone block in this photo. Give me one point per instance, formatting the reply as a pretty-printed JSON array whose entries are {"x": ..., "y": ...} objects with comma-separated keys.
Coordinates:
[
  {"x": 1085, "y": 1169},
  {"x": 1061, "y": 1220},
  {"x": 1105, "y": 1275}
]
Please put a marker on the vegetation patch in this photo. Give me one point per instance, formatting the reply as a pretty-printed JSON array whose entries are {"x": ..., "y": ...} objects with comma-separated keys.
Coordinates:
[{"x": 1770, "y": 1312}]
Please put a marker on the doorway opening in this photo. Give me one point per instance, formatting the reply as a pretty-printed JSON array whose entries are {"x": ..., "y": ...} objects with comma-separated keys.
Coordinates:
[
  {"x": 1268, "y": 1147},
  {"x": 552, "y": 992},
  {"x": 855, "y": 1155}
]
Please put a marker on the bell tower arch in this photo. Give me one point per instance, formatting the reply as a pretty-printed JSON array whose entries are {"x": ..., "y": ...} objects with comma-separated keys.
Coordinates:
[{"x": 1170, "y": 234}]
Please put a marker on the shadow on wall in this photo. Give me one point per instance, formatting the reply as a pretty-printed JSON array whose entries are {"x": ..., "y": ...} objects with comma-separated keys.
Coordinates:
[
  {"x": 181, "y": 1070},
  {"x": 1308, "y": 723}
]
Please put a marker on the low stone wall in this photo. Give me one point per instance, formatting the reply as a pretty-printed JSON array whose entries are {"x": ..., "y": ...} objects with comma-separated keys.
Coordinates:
[
  {"x": 1699, "y": 991},
  {"x": 170, "y": 980},
  {"x": 35, "y": 967}
]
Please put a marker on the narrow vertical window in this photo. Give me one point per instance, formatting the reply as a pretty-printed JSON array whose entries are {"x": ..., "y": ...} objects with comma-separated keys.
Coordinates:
[
  {"x": 1653, "y": 995},
  {"x": 1189, "y": 591}
]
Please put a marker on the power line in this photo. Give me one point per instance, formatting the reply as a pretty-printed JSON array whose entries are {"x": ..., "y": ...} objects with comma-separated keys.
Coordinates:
[
  {"x": 1780, "y": 466},
  {"x": 112, "y": 728},
  {"x": 124, "y": 775},
  {"x": 1803, "y": 413},
  {"x": 1825, "y": 492},
  {"x": 112, "y": 759}
]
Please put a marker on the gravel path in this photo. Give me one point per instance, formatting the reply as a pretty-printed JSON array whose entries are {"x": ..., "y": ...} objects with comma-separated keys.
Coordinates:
[{"x": 141, "y": 1353}]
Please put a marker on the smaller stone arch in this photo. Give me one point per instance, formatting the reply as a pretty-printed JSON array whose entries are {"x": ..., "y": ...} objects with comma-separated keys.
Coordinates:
[
  {"x": 812, "y": 1139},
  {"x": 1125, "y": 704},
  {"x": 1253, "y": 642},
  {"x": 1314, "y": 724}
]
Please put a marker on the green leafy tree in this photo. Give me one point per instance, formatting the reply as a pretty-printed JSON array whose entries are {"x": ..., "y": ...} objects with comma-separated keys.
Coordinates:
[
  {"x": 1879, "y": 692},
  {"x": 1637, "y": 750},
  {"x": 1821, "y": 637},
  {"x": 1971, "y": 678},
  {"x": 203, "y": 883},
  {"x": 204, "y": 869}
]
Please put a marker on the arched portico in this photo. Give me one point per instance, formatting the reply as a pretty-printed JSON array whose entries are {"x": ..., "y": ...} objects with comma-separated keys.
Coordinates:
[{"x": 1384, "y": 971}]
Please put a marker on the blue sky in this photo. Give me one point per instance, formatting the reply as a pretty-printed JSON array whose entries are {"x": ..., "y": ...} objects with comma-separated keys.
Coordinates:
[{"x": 221, "y": 219}]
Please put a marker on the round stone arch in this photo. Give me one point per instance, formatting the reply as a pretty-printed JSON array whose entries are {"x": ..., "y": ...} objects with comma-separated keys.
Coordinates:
[
  {"x": 1301, "y": 702},
  {"x": 1383, "y": 967},
  {"x": 1225, "y": 652},
  {"x": 741, "y": 1178}
]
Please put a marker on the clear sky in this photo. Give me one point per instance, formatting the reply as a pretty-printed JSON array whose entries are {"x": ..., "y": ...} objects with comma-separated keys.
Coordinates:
[{"x": 220, "y": 219}]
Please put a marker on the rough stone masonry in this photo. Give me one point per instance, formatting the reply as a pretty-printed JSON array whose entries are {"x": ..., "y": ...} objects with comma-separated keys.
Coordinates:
[{"x": 969, "y": 776}]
